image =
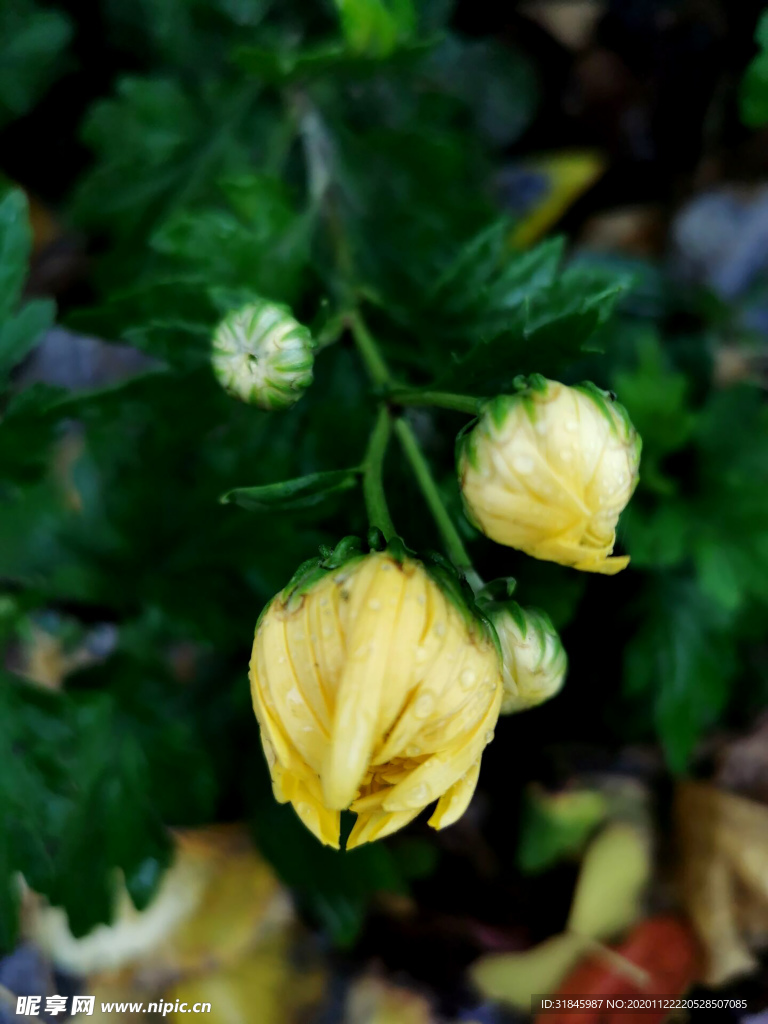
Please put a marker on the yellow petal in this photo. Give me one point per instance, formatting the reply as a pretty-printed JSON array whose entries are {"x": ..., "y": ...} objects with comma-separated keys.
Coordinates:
[
  {"x": 377, "y": 825},
  {"x": 454, "y": 802},
  {"x": 277, "y": 676},
  {"x": 358, "y": 700},
  {"x": 441, "y": 771}
]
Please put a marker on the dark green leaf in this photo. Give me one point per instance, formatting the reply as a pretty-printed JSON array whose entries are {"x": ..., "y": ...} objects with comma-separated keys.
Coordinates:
[
  {"x": 543, "y": 334},
  {"x": 31, "y": 42},
  {"x": 15, "y": 245},
  {"x": 76, "y": 802},
  {"x": 290, "y": 494},
  {"x": 681, "y": 660},
  {"x": 283, "y": 66},
  {"x": 20, "y": 333}
]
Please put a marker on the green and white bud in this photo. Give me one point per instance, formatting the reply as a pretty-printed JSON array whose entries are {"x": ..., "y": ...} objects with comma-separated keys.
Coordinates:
[
  {"x": 534, "y": 662},
  {"x": 262, "y": 355}
]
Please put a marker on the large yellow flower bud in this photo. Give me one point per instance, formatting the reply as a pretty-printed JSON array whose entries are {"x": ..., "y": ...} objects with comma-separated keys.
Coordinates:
[
  {"x": 534, "y": 659},
  {"x": 376, "y": 690},
  {"x": 549, "y": 470}
]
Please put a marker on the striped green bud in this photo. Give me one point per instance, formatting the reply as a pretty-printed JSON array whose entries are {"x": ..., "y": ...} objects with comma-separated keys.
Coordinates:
[{"x": 262, "y": 355}]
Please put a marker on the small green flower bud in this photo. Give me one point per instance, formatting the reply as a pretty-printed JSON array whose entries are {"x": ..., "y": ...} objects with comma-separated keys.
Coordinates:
[
  {"x": 263, "y": 356},
  {"x": 534, "y": 662}
]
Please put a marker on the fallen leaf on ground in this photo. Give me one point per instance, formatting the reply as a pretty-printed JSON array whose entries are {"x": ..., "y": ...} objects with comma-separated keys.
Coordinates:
[
  {"x": 374, "y": 1000},
  {"x": 665, "y": 951},
  {"x": 723, "y": 841},
  {"x": 218, "y": 899},
  {"x": 607, "y": 901}
]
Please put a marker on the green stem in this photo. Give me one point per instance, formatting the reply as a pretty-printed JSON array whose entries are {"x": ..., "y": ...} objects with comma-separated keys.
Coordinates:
[
  {"x": 380, "y": 375},
  {"x": 454, "y": 545},
  {"x": 443, "y": 399},
  {"x": 373, "y": 476},
  {"x": 369, "y": 350}
]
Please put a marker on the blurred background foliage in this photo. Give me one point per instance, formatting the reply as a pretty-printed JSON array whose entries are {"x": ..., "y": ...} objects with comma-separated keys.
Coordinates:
[{"x": 167, "y": 159}]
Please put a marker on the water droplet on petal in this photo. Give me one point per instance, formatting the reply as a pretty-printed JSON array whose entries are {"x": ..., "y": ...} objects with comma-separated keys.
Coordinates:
[
  {"x": 424, "y": 705},
  {"x": 489, "y": 736},
  {"x": 412, "y": 750},
  {"x": 422, "y": 599},
  {"x": 523, "y": 463},
  {"x": 374, "y": 605},
  {"x": 419, "y": 795},
  {"x": 440, "y": 629},
  {"x": 467, "y": 679},
  {"x": 421, "y": 654},
  {"x": 571, "y": 425}
]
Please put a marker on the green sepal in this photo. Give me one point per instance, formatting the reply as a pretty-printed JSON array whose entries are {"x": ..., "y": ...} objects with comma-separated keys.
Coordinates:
[
  {"x": 497, "y": 591},
  {"x": 466, "y": 446},
  {"x": 608, "y": 405},
  {"x": 454, "y": 585},
  {"x": 351, "y": 549}
]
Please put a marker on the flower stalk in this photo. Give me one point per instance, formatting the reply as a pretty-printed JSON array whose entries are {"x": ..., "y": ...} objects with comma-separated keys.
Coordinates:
[
  {"x": 373, "y": 476},
  {"x": 374, "y": 495},
  {"x": 454, "y": 545},
  {"x": 440, "y": 399}
]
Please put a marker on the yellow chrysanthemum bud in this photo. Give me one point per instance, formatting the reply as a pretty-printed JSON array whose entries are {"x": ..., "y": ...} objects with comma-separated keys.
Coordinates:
[
  {"x": 549, "y": 470},
  {"x": 533, "y": 657},
  {"x": 263, "y": 356},
  {"x": 375, "y": 690}
]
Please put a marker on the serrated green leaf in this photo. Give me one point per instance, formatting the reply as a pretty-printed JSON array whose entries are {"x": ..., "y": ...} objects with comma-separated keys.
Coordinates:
[
  {"x": 259, "y": 242},
  {"x": 76, "y": 801},
  {"x": 682, "y": 661},
  {"x": 490, "y": 278},
  {"x": 161, "y": 146},
  {"x": 302, "y": 492},
  {"x": 547, "y": 331}
]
